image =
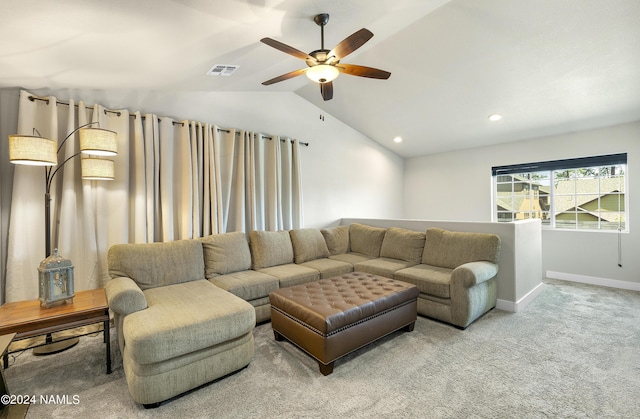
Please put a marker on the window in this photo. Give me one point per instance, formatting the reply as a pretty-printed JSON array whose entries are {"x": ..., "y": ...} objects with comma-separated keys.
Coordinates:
[{"x": 579, "y": 194}]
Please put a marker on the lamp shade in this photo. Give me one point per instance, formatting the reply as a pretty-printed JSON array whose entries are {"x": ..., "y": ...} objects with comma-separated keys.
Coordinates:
[
  {"x": 98, "y": 142},
  {"x": 97, "y": 169},
  {"x": 322, "y": 73},
  {"x": 34, "y": 151}
]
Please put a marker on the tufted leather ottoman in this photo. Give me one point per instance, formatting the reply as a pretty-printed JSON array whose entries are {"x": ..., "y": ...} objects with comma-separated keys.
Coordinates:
[{"x": 331, "y": 317}]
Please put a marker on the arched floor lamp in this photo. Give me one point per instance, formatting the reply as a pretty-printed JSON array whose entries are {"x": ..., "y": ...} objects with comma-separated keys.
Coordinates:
[{"x": 55, "y": 273}]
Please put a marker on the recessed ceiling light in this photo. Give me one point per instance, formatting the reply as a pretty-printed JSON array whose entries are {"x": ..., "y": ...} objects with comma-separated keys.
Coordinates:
[
  {"x": 397, "y": 139},
  {"x": 495, "y": 117}
]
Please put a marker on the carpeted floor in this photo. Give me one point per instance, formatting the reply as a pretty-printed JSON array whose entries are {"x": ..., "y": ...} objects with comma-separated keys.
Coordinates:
[{"x": 574, "y": 352}]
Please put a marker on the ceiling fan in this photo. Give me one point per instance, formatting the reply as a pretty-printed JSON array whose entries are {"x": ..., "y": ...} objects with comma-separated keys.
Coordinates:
[{"x": 324, "y": 65}]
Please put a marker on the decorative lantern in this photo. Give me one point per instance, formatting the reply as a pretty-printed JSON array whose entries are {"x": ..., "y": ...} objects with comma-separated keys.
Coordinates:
[{"x": 56, "y": 280}]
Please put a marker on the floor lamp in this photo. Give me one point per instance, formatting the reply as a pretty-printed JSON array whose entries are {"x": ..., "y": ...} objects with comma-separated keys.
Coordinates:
[{"x": 95, "y": 143}]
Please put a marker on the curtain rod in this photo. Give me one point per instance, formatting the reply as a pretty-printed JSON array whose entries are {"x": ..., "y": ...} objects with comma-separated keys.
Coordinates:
[
  {"x": 267, "y": 136},
  {"x": 118, "y": 113}
]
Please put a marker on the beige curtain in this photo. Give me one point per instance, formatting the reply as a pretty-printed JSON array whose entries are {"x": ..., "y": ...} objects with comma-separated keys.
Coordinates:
[
  {"x": 9, "y": 99},
  {"x": 260, "y": 193},
  {"x": 174, "y": 180}
]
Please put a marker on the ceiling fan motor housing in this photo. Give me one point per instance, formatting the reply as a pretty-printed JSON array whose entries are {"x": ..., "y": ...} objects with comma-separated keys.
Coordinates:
[{"x": 321, "y": 57}]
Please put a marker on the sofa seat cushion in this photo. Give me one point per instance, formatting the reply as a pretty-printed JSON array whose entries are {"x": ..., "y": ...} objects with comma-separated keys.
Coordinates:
[
  {"x": 248, "y": 285},
  {"x": 351, "y": 257},
  {"x": 184, "y": 318},
  {"x": 430, "y": 280},
  {"x": 259, "y": 302},
  {"x": 329, "y": 267},
  {"x": 292, "y": 274},
  {"x": 382, "y": 266}
]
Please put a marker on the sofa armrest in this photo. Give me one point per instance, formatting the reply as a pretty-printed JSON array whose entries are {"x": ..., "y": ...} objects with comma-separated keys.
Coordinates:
[
  {"x": 473, "y": 273},
  {"x": 124, "y": 296}
]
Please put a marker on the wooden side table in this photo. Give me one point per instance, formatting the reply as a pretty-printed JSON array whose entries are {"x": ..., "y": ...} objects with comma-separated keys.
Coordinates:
[{"x": 27, "y": 319}]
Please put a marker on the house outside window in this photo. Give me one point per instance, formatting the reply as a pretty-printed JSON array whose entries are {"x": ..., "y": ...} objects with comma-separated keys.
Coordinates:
[{"x": 579, "y": 194}]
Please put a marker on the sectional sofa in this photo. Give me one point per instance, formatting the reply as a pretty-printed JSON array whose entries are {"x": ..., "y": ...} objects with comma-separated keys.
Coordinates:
[{"x": 185, "y": 310}]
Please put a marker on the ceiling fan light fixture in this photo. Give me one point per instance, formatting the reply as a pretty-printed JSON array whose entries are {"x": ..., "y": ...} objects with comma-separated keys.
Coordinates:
[{"x": 322, "y": 73}]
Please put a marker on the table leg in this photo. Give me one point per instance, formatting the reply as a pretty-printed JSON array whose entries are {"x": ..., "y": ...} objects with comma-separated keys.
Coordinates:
[
  {"x": 5, "y": 341},
  {"x": 107, "y": 342}
]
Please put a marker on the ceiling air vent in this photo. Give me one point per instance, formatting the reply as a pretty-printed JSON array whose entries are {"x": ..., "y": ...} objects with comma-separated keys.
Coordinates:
[{"x": 222, "y": 70}]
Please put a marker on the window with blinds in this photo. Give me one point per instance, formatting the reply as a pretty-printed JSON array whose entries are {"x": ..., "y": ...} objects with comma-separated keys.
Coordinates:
[{"x": 587, "y": 193}]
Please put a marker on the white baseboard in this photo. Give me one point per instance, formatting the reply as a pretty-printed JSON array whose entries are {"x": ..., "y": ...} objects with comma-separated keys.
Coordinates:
[
  {"x": 506, "y": 305},
  {"x": 519, "y": 305},
  {"x": 612, "y": 283}
]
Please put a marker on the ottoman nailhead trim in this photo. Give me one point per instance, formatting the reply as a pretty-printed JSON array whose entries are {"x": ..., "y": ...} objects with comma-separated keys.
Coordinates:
[{"x": 343, "y": 327}]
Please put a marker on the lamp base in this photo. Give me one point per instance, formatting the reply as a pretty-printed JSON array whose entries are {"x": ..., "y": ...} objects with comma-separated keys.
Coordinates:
[{"x": 55, "y": 347}]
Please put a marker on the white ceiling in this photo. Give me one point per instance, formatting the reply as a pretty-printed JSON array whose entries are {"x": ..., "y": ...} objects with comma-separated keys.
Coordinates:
[{"x": 548, "y": 66}]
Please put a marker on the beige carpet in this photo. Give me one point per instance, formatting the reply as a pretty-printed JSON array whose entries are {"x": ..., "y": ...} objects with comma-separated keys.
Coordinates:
[{"x": 574, "y": 352}]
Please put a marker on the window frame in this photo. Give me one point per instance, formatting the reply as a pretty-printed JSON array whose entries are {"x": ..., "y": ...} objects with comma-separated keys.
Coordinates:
[{"x": 550, "y": 168}]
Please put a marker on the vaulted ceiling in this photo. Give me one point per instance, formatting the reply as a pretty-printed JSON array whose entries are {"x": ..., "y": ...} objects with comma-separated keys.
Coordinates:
[{"x": 547, "y": 66}]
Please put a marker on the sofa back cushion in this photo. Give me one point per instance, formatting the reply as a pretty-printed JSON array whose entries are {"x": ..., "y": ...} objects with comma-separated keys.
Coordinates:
[
  {"x": 365, "y": 239},
  {"x": 308, "y": 244},
  {"x": 225, "y": 253},
  {"x": 449, "y": 249},
  {"x": 270, "y": 248},
  {"x": 403, "y": 244},
  {"x": 153, "y": 265},
  {"x": 337, "y": 239}
]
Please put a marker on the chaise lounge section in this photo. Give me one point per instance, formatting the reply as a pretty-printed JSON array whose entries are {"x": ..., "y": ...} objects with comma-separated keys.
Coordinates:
[{"x": 176, "y": 330}]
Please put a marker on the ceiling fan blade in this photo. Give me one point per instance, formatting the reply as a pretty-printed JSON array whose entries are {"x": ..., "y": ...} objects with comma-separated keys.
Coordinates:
[
  {"x": 362, "y": 71},
  {"x": 326, "y": 89},
  {"x": 351, "y": 43},
  {"x": 286, "y": 76},
  {"x": 287, "y": 49}
]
